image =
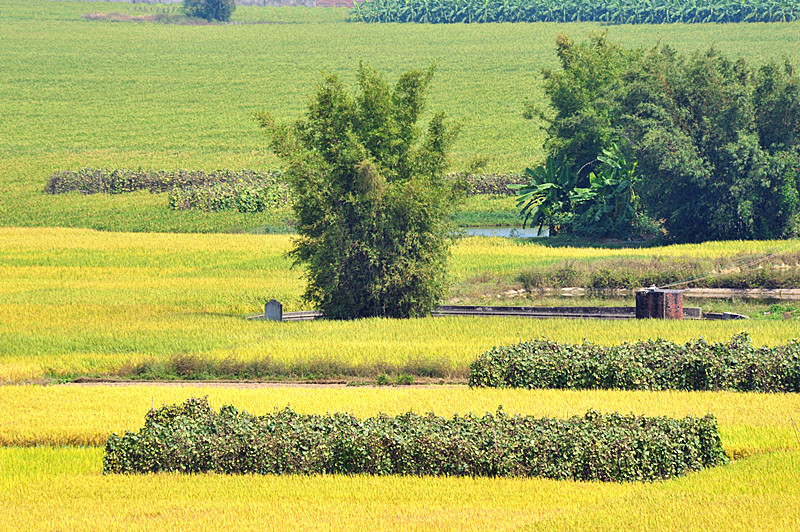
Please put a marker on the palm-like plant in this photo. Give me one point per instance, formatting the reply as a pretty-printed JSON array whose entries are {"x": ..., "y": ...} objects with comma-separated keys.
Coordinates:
[{"x": 547, "y": 195}]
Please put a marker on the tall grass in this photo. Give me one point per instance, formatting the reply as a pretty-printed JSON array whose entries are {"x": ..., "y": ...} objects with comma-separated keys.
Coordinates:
[{"x": 80, "y": 302}]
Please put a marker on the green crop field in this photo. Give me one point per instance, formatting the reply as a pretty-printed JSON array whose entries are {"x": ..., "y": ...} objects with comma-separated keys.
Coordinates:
[{"x": 79, "y": 93}]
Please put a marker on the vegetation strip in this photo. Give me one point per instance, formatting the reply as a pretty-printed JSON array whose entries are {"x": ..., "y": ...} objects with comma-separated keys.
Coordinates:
[
  {"x": 651, "y": 365},
  {"x": 243, "y": 190},
  {"x": 192, "y": 437},
  {"x": 611, "y": 12},
  {"x": 743, "y": 271}
]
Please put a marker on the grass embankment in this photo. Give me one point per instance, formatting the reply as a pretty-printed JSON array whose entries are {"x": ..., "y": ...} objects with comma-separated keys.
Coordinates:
[
  {"x": 80, "y": 93},
  {"x": 759, "y": 491},
  {"x": 80, "y": 302}
]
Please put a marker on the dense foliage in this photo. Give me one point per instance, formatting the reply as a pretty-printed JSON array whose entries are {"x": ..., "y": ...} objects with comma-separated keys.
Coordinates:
[
  {"x": 370, "y": 197},
  {"x": 717, "y": 142},
  {"x": 607, "y": 206},
  {"x": 220, "y": 10},
  {"x": 244, "y": 190},
  {"x": 651, "y": 365},
  {"x": 193, "y": 438},
  {"x": 613, "y": 12}
]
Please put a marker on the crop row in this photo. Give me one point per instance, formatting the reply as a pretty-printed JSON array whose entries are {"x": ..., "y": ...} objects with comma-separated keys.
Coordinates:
[
  {"x": 651, "y": 365},
  {"x": 192, "y": 437},
  {"x": 244, "y": 190},
  {"x": 608, "y": 11}
]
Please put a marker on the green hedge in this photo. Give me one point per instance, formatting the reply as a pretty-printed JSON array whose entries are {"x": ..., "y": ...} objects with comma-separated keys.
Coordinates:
[
  {"x": 242, "y": 190},
  {"x": 651, "y": 365},
  {"x": 193, "y": 438}
]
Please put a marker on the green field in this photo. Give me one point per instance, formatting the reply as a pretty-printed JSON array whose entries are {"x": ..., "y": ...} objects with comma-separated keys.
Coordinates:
[{"x": 80, "y": 93}]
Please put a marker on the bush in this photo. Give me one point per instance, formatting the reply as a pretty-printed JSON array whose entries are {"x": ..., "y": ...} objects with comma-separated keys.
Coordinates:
[
  {"x": 372, "y": 204},
  {"x": 193, "y": 438},
  {"x": 652, "y": 365},
  {"x": 220, "y": 10}
]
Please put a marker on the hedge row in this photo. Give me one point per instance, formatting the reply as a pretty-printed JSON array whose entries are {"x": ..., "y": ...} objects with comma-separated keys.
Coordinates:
[
  {"x": 243, "y": 190},
  {"x": 651, "y": 365},
  {"x": 489, "y": 184},
  {"x": 193, "y": 438}
]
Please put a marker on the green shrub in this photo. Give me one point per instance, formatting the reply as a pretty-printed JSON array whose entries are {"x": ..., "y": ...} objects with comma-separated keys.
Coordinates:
[
  {"x": 193, "y": 438},
  {"x": 652, "y": 365},
  {"x": 220, "y": 10},
  {"x": 372, "y": 204},
  {"x": 405, "y": 379}
]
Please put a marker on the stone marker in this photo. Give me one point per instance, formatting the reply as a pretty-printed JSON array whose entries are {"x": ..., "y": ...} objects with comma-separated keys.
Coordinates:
[{"x": 273, "y": 311}]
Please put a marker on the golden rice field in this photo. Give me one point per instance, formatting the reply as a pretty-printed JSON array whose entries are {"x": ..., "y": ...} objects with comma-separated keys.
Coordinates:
[
  {"x": 81, "y": 302},
  {"x": 760, "y": 491},
  {"x": 85, "y": 415}
]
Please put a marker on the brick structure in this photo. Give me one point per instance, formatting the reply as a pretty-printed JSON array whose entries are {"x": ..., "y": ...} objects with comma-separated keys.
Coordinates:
[{"x": 660, "y": 304}]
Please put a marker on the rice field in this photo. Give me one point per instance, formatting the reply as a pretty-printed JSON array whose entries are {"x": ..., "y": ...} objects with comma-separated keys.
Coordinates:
[
  {"x": 757, "y": 491},
  {"x": 80, "y": 302},
  {"x": 76, "y": 300},
  {"x": 750, "y": 423}
]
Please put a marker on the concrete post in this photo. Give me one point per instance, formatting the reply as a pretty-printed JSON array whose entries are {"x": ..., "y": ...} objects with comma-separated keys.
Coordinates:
[{"x": 273, "y": 311}]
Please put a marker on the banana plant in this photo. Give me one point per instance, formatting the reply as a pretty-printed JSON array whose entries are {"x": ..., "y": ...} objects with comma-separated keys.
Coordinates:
[
  {"x": 611, "y": 197},
  {"x": 547, "y": 194}
]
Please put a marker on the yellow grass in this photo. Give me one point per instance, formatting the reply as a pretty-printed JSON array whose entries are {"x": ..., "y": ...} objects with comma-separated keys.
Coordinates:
[
  {"x": 86, "y": 415},
  {"x": 63, "y": 489},
  {"x": 76, "y": 301}
]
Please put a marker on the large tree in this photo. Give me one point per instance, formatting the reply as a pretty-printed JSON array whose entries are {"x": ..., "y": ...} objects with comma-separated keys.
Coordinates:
[
  {"x": 717, "y": 141},
  {"x": 372, "y": 205}
]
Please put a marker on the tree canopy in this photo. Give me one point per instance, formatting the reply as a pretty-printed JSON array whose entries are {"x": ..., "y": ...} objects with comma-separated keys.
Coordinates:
[
  {"x": 716, "y": 141},
  {"x": 372, "y": 205}
]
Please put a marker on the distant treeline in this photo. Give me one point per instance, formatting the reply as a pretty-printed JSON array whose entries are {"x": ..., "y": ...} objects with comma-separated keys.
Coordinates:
[{"x": 611, "y": 12}]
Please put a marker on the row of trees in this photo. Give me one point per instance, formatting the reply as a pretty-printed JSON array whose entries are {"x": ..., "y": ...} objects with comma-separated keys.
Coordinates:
[{"x": 707, "y": 146}]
